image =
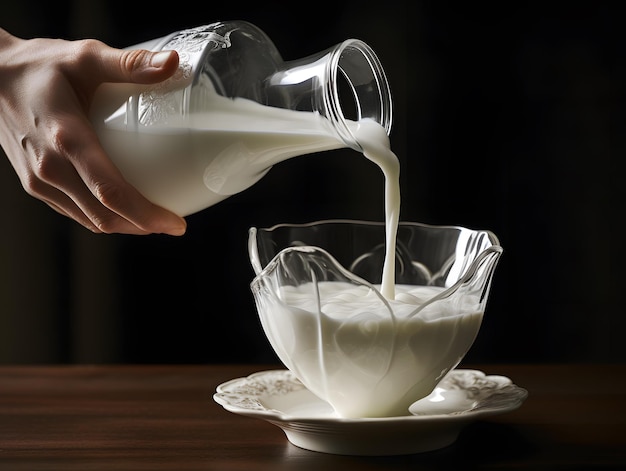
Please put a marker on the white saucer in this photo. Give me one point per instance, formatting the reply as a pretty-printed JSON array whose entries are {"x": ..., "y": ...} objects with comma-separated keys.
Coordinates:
[{"x": 308, "y": 422}]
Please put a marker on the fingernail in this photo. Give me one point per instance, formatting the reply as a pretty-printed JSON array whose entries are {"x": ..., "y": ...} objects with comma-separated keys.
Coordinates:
[{"x": 160, "y": 58}]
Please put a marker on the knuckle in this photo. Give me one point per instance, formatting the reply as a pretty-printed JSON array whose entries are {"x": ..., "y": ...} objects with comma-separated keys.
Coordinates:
[
  {"x": 62, "y": 138},
  {"x": 49, "y": 161},
  {"x": 47, "y": 166},
  {"x": 131, "y": 59},
  {"x": 84, "y": 50},
  {"x": 104, "y": 222},
  {"x": 102, "y": 217},
  {"x": 110, "y": 195},
  {"x": 33, "y": 185}
]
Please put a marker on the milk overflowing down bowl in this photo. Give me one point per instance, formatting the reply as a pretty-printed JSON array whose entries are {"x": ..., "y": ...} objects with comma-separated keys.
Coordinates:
[{"x": 318, "y": 293}]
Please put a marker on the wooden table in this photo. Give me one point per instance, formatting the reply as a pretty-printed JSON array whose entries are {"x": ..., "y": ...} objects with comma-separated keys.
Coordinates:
[{"x": 164, "y": 418}]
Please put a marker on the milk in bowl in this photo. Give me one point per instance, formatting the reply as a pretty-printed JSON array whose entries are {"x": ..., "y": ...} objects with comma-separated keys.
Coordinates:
[{"x": 319, "y": 293}]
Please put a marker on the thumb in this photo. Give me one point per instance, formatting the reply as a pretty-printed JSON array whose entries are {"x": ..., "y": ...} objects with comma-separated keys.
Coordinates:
[{"x": 142, "y": 66}]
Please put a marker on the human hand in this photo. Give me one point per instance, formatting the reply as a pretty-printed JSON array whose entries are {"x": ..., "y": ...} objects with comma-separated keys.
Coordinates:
[{"x": 46, "y": 87}]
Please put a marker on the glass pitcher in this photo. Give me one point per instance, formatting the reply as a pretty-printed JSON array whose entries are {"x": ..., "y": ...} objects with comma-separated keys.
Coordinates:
[{"x": 233, "y": 110}]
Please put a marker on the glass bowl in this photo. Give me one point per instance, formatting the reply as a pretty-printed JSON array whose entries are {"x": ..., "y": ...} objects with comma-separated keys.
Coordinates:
[{"x": 317, "y": 292}]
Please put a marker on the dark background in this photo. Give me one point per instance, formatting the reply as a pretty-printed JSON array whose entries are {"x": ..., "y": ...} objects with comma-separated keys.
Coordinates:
[{"x": 502, "y": 122}]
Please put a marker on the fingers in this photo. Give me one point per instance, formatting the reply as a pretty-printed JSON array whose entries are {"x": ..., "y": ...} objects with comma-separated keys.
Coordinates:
[
  {"x": 71, "y": 210},
  {"x": 43, "y": 183},
  {"x": 102, "y": 193},
  {"x": 136, "y": 65},
  {"x": 149, "y": 67},
  {"x": 76, "y": 178},
  {"x": 65, "y": 206}
]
